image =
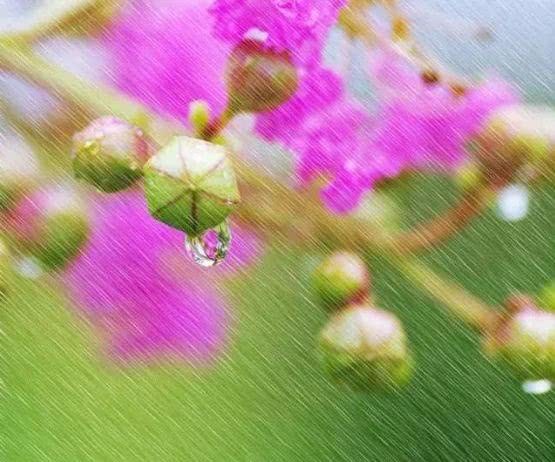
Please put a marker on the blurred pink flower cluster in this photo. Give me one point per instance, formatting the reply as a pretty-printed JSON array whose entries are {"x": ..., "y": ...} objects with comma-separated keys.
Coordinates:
[
  {"x": 169, "y": 53},
  {"x": 134, "y": 281}
]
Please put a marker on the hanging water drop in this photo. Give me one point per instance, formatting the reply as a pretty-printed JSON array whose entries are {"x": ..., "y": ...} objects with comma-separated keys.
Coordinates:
[
  {"x": 211, "y": 248},
  {"x": 537, "y": 387}
]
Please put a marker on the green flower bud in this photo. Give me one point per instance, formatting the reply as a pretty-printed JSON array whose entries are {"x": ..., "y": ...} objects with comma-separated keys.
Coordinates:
[
  {"x": 365, "y": 349},
  {"x": 546, "y": 298},
  {"x": 340, "y": 279},
  {"x": 468, "y": 177},
  {"x": 109, "y": 154},
  {"x": 379, "y": 209},
  {"x": 51, "y": 224},
  {"x": 515, "y": 135},
  {"x": 259, "y": 79},
  {"x": 19, "y": 170},
  {"x": 199, "y": 115},
  {"x": 190, "y": 185},
  {"x": 526, "y": 343}
]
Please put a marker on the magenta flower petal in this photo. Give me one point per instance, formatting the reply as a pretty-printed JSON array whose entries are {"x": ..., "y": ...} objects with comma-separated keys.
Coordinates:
[
  {"x": 299, "y": 26},
  {"x": 165, "y": 55},
  {"x": 126, "y": 282}
]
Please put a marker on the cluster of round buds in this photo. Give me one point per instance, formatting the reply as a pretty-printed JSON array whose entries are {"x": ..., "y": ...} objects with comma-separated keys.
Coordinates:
[
  {"x": 50, "y": 224},
  {"x": 525, "y": 340},
  {"x": 258, "y": 78},
  {"x": 19, "y": 170},
  {"x": 365, "y": 348},
  {"x": 514, "y": 136},
  {"x": 110, "y": 153},
  {"x": 340, "y": 279},
  {"x": 360, "y": 346},
  {"x": 190, "y": 185}
]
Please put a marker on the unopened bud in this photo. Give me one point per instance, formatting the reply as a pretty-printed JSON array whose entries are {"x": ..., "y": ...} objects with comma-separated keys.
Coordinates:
[
  {"x": 50, "y": 224},
  {"x": 110, "y": 153},
  {"x": 199, "y": 115},
  {"x": 525, "y": 341},
  {"x": 190, "y": 185},
  {"x": 365, "y": 349},
  {"x": 515, "y": 135},
  {"x": 19, "y": 170},
  {"x": 340, "y": 279},
  {"x": 258, "y": 78}
]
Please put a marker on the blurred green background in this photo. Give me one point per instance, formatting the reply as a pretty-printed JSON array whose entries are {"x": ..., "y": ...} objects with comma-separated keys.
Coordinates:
[{"x": 266, "y": 399}]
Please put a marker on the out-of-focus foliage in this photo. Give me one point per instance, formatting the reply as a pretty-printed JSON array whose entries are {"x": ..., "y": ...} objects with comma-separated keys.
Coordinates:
[{"x": 267, "y": 399}]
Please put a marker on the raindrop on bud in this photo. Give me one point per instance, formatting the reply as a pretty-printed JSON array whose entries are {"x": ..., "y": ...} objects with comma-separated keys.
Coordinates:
[
  {"x": 209, "y": 249},
  {"x": 190, "y": 185},
  {"x": 365, "y": 348},
  {"x": 259, "y": 79},
  {"x": 51, "y": 224},
  {"x": 19, "y": 170},
  {"x": 340, "y": 279},
  {"x": 109, "y": 154}
]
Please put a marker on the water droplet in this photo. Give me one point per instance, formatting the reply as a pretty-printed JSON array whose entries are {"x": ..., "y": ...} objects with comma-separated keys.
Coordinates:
[
  {"x": 210, "y": 248},
  {"x": 288, "y": 8},
  {"x": 513, "y": 202},
  {"x": 28, "y": 267},
  {"x": 537, "y": 387}
]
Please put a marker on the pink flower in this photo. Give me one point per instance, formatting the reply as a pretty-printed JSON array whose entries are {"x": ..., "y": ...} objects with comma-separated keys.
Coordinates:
[
  {"x": 426, "y": 125},
  {"x": 416, "y": 126},
  {"x": 165, "y": 55},
  {"x": 336, "y": 143},
  {"x": 299, "y": 26},
  {"x": 125, "y": 281},
  {"x": 318, "y": 89}
]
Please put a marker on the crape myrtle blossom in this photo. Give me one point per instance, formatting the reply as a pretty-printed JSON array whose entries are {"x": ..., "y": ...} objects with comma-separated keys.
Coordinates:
[
  {"x": 428, "y": 125},
  {"x": 165, "y": 55},
  {"x": 415, "y": 126},
  {"x": 298, "y": 26},
  {"x": 133, "y": 279}
]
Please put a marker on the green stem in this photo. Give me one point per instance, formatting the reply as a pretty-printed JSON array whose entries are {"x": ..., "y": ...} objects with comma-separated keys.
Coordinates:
[
  {"x": 347, "y": 232},
  {"x": 465, "y": 306}
]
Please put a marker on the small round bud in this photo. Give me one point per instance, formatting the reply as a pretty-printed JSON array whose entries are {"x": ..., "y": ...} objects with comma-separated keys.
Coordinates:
[
  {"x": 110, "y": 153},
  {"x": 365, "y": 349},
  {"x": 199, "y": 115},
  {"x": 50, "y": 224},
  {"x": 526, "y": 342},
  {"x": 515, "y": 135},
  {"x": 19, "y": 170},
  {"x": 468, "y": 176},
  {"x": 546, "y": 298},
  {"x": 190, "y": 185},
  {"x": 340, "y": 279},
  {"x": 379, "y": 209},
  {"x": 259, "y": 79}
]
